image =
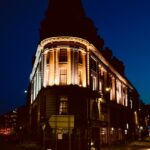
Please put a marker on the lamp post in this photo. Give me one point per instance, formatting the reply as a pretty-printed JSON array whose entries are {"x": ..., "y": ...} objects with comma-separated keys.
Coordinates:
[
  {"x": 139, "y": 122},
  {"x": 107, "y": 91},
  {"x": 43, "y": 129}
]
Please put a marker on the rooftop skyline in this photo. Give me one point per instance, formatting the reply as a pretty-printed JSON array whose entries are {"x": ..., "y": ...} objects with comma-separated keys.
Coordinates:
[{"x": 123, "y": 25}]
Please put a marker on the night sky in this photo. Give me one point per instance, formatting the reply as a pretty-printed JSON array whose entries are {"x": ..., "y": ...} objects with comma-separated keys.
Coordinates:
[{"x": 123, "y": 24}]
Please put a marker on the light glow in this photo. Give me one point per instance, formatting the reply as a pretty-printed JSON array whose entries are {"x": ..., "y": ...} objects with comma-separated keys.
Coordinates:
[{"x": 77, "y": 73}]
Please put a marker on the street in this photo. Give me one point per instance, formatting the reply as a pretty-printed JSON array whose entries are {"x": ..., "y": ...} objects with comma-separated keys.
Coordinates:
[
  {"x": 136, "y": 145},
  {"x": 13, "y": 146}
]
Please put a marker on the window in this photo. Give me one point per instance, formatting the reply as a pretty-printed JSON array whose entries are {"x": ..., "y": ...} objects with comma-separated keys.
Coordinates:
[
  {"x": 93, "y": 64},
  {"x": 131, "y": 103},
  {"x": 63, "y": 55},
  {"x": 80, "y": 57},
  {"x": 63, "y": 108},
  {"x": 100, "y": 85},
  {"x": 118, "y": 91},
  {"x": 63, "y": 76},
  {"x": 93, "y": 83},
  {"x": 95, "y": 112},
  {"x": 47, "y": 58},
  {"x": 80, "y": 78}
]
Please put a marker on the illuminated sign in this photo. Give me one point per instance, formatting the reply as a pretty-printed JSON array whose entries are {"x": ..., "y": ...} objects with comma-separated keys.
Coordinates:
[{"x": 61, "y": 121}]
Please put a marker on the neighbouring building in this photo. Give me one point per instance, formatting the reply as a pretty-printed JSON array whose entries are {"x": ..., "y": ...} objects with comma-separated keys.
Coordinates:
[
  {"x": 78, "y": 95},
  {"x": 146, "y": 118},
  {"x": 13, "y": 121}
]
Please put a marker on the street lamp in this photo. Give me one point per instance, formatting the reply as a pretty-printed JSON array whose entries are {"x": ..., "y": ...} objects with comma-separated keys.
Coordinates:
[
  {"x": 107, "y": 90},
  {"x": 25, "y": 91}
]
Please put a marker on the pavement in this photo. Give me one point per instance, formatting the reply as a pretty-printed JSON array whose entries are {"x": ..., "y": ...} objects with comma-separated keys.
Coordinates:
[{"x": 135, "y": 145}]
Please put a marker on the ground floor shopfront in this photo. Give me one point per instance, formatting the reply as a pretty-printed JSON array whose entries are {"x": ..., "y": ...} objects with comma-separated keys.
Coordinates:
[{"x": 96, "y": 123}]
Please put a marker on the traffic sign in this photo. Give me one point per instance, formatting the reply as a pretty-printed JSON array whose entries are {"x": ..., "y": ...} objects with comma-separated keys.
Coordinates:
[{"x": 62, "y": 121}]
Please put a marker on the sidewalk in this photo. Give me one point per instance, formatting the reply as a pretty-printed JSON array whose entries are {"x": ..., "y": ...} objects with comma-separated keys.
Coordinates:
[
  {"x": 29, "y": 146},
  {"x": 133, "y": 145},
  {"x": 139, "y": 144}
]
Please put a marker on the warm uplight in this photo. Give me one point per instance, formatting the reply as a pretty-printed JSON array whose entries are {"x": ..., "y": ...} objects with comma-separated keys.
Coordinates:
[
  {"x": 107, "y": 89},
  {"x": 67, "y": 65},
  {"x": 127, "y": 126},
  {"x": 112, "y": 129},
  {"x": 101, "y": 100},
  {"x": 92, "y": 143},
  {"x": 136, "y": 118}
]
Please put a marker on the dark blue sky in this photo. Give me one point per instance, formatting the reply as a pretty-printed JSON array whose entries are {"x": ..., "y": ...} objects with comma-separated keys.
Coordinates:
[{"x": 123, "y": 24}]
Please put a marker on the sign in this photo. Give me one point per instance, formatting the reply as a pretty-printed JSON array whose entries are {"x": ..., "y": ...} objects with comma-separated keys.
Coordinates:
[{"x": 61, "y": 121}]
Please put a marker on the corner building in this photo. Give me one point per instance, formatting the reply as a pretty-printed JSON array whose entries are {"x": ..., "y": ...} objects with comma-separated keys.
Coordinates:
[{"x": 71, "y": 77}]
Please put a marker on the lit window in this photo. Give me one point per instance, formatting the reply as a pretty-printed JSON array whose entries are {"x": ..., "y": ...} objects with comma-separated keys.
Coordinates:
[
  {"x": 124, "y": 96},
  {"x": 63, "y": 55},
  {"x": 63, "y": 108},
  {"x": 63, "y": 76},
  {"x": 100, "y": 85},
  {"x": 131, "y": 104},
  {"x": 93, "y": 83},
  {"x": 118, "y": 92}
]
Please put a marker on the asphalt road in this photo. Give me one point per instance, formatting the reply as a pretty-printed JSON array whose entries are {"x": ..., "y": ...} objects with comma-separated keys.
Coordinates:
[
  {"x": 137, "y": 145},
  {"x": 13, "y": 146}
]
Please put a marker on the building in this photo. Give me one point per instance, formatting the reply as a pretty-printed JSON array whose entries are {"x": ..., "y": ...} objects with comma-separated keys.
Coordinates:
[
  {"x": 8, "y": 122},
  {"x": 78, "y": 96},
  {"x": 13, "y": 121},
  {"x": 145, "y": 114}
]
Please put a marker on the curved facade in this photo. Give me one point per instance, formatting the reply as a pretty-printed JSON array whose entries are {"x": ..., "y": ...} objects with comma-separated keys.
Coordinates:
[
  {"x": 74, "y": 61},
  {"x": 70, "y": 76}
]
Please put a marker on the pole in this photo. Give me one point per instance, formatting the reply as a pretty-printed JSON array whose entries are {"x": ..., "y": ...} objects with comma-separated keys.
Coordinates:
[
  {"x": 56, "y": 139},
  {"x": 43, "y": 139},
  {"x": 69, "y": 140},
  {"x": 43, "y": 129},
  {"x": 69, "y": 133}
]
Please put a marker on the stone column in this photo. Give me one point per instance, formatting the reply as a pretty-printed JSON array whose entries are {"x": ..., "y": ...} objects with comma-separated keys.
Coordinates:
[
  {"x": 72, "y": 67},
  {"x": 56, "y": 61},
  {"x": 69, "y": 75},
  {"x": 88, "y": 67},
  {"x": 84, "y": 70},
  {"x": 113, "y": 89},
  {"x": 44, "y": 70},
  {"x": 75, "y": 66},
  {"x": 51, "y": 66}
]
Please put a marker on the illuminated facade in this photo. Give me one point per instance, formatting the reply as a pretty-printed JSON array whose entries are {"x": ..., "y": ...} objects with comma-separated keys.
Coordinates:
[
  {"x": 74, "y": 63},
  {"x": 64, "y": 61},
  {"x": 71, "y": 76}
]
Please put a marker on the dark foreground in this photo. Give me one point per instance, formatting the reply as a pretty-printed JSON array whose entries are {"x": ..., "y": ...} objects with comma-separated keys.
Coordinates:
[{"x": 136, "y": 145}]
